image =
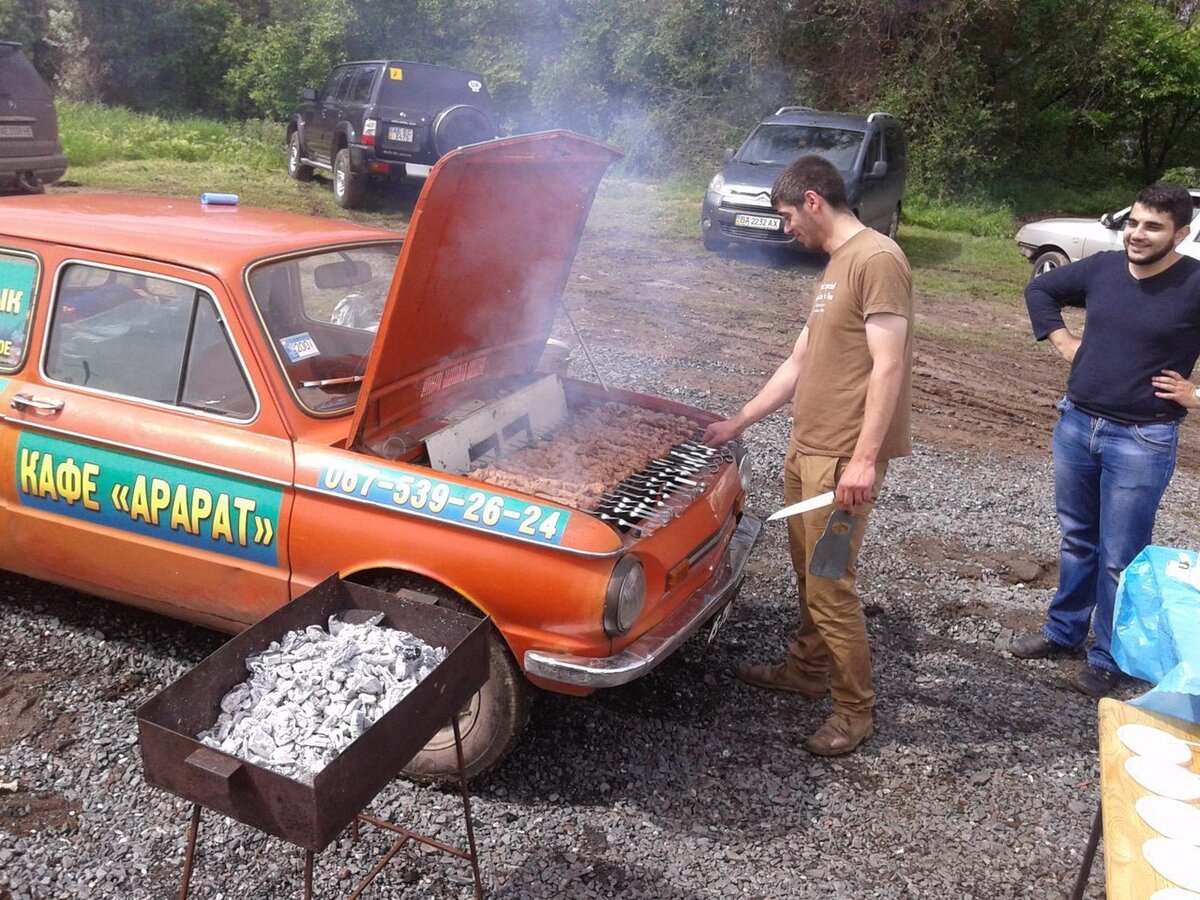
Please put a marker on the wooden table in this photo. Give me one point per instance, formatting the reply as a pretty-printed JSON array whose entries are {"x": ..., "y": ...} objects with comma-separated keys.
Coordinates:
[{"x": 1126, "y": 872}]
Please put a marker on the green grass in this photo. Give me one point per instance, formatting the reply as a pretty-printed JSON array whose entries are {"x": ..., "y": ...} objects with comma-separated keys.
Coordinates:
[{"x": 94, "y": 134}]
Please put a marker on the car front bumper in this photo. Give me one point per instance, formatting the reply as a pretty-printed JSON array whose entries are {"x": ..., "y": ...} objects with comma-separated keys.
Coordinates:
[{"x": 664, "y": 639}]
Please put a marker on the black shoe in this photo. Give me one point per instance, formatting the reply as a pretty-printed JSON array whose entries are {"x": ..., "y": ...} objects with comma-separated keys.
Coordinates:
[
  {"x": 1095, "y": 681},
  {"x": 1038, "y": 646}
]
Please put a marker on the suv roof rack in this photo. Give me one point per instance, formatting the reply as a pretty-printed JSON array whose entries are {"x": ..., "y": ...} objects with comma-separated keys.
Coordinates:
[
  {"x": 879, "y": 115},
  {"x": 788, "y": 109}
]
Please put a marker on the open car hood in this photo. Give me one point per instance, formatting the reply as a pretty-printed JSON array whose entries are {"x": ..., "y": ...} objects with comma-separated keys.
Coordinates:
[{"x": 480, "y": 277}]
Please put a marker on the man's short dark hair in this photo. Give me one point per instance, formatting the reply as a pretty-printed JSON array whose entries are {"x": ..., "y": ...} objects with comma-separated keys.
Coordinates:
[
  {"x": 809, "y": 173},
  {"x": 1172, "y": 199}
]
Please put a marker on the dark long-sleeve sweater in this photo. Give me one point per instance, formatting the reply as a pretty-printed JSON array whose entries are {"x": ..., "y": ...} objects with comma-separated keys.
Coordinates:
[{"x": 1133, "y": 330}]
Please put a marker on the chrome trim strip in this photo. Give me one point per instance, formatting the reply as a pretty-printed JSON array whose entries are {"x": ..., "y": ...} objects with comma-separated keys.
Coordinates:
[
  {"x": 656, "y": 645},
  {"x": 32, "y": 425}
]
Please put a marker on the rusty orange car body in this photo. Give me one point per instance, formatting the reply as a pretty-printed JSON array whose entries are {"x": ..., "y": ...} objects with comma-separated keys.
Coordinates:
[{"x": 193, "y": 425}]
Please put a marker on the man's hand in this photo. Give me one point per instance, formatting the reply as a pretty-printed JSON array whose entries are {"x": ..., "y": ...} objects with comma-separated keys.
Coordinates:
[
  {"x": 856, "y": 487},
  {"x": 1171, "y": 385},
  {"x": 721, "y": 432}
]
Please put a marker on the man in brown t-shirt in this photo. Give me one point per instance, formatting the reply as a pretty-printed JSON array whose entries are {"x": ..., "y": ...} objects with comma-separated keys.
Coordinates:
[{"x": 849, "y": 378}]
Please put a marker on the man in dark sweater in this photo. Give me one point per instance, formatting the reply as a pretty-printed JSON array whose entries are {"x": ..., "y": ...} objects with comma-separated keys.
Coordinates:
[{"x": 1114, "y": 444}]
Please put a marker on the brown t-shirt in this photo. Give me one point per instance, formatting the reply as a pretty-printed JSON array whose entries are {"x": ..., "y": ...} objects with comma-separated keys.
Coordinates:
[{"x": 867, "y": 274}]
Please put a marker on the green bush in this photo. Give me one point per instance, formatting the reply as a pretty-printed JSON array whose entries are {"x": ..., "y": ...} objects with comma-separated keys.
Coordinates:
[{"x": 92, "y": 134}]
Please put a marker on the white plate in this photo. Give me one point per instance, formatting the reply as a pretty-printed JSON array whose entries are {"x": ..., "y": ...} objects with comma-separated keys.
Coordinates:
[
  {"x": 1171, "y": 818},
  {"x": 1175, "y": 861},
  {"x": 1164, "y": 779},
  {"x": 1145, "y": 740}
]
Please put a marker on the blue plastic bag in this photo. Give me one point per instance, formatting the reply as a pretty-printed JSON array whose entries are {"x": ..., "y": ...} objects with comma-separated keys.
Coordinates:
[{"x": 1156, "y": 629}]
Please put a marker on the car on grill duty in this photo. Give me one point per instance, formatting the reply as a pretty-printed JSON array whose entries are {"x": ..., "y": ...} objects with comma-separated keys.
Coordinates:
[
  {"x": 375, "y": 118},
  {"x": 30, "y": 154},
  {"x": 869, "y": 151},
  {"x": 209, "y": 410}
]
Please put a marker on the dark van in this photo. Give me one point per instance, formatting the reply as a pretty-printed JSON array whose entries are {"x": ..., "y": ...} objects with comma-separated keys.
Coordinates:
[
  {"x": 870, "y": 152},
  {"x": 374, "y": 118},
  {"x": 30, "y": 155}
]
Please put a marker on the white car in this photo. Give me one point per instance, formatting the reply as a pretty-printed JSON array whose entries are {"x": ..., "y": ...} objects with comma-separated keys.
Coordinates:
[{"x": 1055, "y": 242}]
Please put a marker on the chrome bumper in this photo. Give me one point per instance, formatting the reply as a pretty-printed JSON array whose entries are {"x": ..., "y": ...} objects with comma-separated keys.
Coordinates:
[{"x": 653, "y": 647}]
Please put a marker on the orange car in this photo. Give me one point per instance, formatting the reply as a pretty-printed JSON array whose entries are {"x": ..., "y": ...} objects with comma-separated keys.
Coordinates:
[{"x": 210, "y": 409}]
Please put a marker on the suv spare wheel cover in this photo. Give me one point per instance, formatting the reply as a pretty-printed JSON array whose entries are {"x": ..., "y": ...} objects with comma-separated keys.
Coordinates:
[{"x": 458, "y": 126}]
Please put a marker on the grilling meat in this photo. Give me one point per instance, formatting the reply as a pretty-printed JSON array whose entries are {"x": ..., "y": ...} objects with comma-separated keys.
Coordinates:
[{"x": 596, "y": 449}]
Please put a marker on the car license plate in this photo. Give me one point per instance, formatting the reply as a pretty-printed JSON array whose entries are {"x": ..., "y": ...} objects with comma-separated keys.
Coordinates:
[
  {"x": 766, "y": 223},
  {"x": 717, "y": 621},
  {"x": 400, "y": 134},
  {"x": 16, "y": 131}
]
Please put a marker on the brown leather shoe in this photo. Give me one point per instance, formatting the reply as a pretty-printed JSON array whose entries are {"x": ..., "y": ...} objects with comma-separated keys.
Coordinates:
[
  {"x": 783, "y": 676},
  {"x": 840, "y": 734}
]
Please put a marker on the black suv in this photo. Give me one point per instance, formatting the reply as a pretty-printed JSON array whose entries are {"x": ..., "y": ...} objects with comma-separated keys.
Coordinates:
[
  {"x": 30, "y": 154},
  {"x": 375, "y": 117},
  {"x": 870, "y": 152}
]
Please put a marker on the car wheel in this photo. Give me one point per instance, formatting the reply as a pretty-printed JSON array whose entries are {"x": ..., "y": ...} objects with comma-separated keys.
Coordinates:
[
  {"x": 894, "y": 223},
  {"x": 1047, "y": 260},
  {"x": 348, "y": 188},
  {"x": 491, "y": 723},
  {"x": 295, "y": 167},
  {"x": 713, "y": 240},
  {"x": 460, "y": 125}
]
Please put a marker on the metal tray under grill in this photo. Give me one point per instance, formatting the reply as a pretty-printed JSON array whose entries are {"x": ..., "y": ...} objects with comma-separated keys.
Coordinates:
[{"x": 310, "y": 816}]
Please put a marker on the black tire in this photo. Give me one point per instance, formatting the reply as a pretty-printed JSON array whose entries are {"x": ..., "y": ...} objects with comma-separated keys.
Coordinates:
[
  {"x": 460, "y": 125},
  {"x": 713, "y": 241},
  {"x": 348, "y": 187},
  {"x": 493, "y": 721},
  {"x": 295, "y": 167},
  {"x": 1047, "y": 260},
  {"x": 893, "y": 227}
]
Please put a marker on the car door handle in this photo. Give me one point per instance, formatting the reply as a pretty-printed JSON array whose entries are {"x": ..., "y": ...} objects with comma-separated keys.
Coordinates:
[{"x": 41, "y": 407}]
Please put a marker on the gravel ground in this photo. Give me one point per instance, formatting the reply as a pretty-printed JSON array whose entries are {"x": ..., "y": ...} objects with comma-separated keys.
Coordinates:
[{"x": 981, "y": 779}]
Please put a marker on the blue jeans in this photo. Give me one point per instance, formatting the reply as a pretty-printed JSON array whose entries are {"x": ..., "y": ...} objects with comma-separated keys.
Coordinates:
[{"x": 1108, "y": 481}]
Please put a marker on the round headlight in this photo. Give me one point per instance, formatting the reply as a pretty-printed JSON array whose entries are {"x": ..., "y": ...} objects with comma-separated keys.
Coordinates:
[{"x": 625, "y": 596}]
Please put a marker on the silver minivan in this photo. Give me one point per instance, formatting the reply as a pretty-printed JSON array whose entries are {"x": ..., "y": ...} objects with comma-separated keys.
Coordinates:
[
  {"x": 870, "y": 151},
  {"x": 30, "y": 153}
]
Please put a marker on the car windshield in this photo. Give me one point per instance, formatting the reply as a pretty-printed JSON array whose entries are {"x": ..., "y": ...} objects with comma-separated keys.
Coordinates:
[
  {"x": 321, "y": 312},
  {"x": 780, "y": 144}
]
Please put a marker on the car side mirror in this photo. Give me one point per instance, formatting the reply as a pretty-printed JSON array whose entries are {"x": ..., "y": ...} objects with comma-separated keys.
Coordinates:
[
  {"x": 308, "y": 94},
  {"x": 878, "y": 170},
  {"x": 727, "y": 155},
  {"x": 1108, "y": 221}
]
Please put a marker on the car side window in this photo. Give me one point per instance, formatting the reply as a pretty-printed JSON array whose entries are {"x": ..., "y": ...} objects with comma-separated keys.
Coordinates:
[
  {"x": 360, "y": 91},
  {"x": 145, "y": 337},
  {"x": 331, "y": 86},
  {"x": 19, "y": 276},
  {"x": 875, "y": 149},
  {"x": 893, "y": 149},
  {"x": 347, "y": 82}
]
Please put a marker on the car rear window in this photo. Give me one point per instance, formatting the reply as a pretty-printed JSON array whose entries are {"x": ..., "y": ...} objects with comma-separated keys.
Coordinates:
[
  {"x": 18, "y": 77},
  {"x": 780, "y": 144},
  {"x": 431, "y": 87},
  {"x": 18, "y": 286}
]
